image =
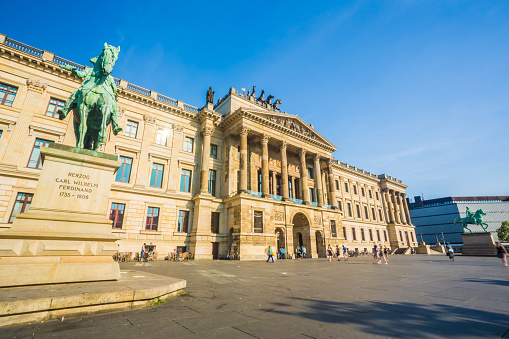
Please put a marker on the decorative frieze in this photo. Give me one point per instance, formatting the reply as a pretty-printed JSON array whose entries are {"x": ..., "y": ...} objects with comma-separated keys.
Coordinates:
[
  {"x": 293, "y": 125},
  {"x": 36, "y": 85},
  {"x": 279, "y": 216}
]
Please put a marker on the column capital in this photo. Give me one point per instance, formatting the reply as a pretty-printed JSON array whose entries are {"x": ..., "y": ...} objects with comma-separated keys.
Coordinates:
[
  {"x": 317, "y": 157},
  {"x": 283, "y": 145},
  {"x": 302, "y": 152},
  {"x": 244, "y": 130},
  {"x": 207, "y": 131},
  {"x": 265, "y": 139}
]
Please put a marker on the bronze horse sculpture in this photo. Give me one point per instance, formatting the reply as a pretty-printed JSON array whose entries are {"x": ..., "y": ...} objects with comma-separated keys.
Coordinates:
[
  {"x": 474, "y": 219},
  {"x": 95, "y": 102}
]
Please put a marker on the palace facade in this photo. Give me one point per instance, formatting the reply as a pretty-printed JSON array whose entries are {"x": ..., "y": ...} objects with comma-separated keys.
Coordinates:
[{"x": 238, "y": 175}]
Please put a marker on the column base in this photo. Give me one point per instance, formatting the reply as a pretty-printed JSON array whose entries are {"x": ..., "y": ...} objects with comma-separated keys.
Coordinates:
[{"x": 306, "y": 203}]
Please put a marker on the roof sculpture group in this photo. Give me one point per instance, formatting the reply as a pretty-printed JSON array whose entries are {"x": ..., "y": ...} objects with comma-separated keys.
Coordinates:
[
  {"x": 265, "y": 102},
  {"x": 95, "y": 102},
  {"x": 472, "y": 219}
]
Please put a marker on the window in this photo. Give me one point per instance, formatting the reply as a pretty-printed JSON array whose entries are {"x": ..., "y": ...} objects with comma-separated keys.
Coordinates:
[
  {"x": 344, "y": 233},
  {"x": 412, "y": 235},
  {"x": 35, "y": 158},
  {"x": 357, "y": 207},
  {"x": 238, "y": 152},
  {"x": 378, "y": 235},
  {"x": 373, "y": 213},
  {"x": 366, "y": 212},
  {"x": 310, "y": 173},
  {"x": 124, "y": 172},
  {"x": 354, "y": 235},
  {"x": 290, "y": 189},
  {"x": 380, "y": 214},
  {"x": 401, "y": 237},
  {"x": 362, "y": 192},
  {"x": 333, "y": 228},
  {"x": 337, "y": 185},
  {"x": 183, "y": 221},
  {"x": 188, "y": 144},
  {"x": 385, "y": 235},
  {"x": 152, "y": 218},
  {"x": 354, "y": 189},
  {"x": 162, "y": 136},
  {"x": 212, "y": 182},
  {"x": 258, "y": 221},
  {"x": 339, "y": 206},
  {"x": 346, "y": 187},
  {"x": 7, "y": 94},
  {"x": 117, "y": 215},
  {"x": 185, "y": 181},
  {"x": 156, "y": 178},
  {"x": 22, "y": 204},
  {"x": 213, "y": 151},
  {"x": 363, "y": 238},
  {"x": 370, "y": 235},
  {"x": 214, "y": 222},
  {"x": 349, "y": 208},
  {"x": 311, "y": 194},
  {"x": 376, "y": 194},
  {"x": 259, "y": 180},
  {"x": 1, "y": 133},
  {"x": 53, "y": 107},
  {"x": 370, "y": 194},
  {"x": 131, "y": 129}
]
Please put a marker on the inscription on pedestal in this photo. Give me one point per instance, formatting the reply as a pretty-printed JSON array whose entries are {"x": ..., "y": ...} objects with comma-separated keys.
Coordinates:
[{"x": 76, "y": 185}]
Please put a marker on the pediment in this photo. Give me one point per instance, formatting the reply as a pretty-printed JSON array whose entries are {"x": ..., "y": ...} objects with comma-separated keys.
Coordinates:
[{"x": 293, "y": 123}]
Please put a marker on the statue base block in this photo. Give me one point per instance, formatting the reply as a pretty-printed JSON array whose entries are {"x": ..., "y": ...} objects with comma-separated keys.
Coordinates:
[
  {"x": 65, "y": 236},
  {"x": 478, "y": 244}
]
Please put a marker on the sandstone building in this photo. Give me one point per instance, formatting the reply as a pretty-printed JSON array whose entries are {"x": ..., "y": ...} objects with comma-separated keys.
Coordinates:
[{"x": 238, "y": 175}]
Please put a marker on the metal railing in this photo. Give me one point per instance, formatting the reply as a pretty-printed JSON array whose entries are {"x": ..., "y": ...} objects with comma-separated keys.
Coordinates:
[
  {"x": 296, "y": 201},
  {"x": 24, "y": 48},
  {"x": 255, "y": 194}
]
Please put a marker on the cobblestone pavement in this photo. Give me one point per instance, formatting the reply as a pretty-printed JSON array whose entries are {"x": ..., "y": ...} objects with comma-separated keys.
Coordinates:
[{"x": 411, "y": 297}]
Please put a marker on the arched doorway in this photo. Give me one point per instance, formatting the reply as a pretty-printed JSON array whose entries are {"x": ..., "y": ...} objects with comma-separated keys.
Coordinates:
[
  {"x": 280, "y": 237},
  {"x": 301, "y": 233},
  {"x": 320, "y": 245}
]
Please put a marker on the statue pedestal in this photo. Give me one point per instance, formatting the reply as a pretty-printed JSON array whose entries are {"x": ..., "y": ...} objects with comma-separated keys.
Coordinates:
[
  {"x": 478, "y": 244},
  {"x": 65, "y": 236}
]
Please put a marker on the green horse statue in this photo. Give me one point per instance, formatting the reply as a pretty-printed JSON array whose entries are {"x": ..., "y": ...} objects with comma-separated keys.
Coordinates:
[
  {"x": 472, "y": 218},
  {"x": 95, "y": 102}
]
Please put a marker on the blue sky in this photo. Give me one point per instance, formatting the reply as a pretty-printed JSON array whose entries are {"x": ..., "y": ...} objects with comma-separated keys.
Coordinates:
[{"x": 415, "y": 89}]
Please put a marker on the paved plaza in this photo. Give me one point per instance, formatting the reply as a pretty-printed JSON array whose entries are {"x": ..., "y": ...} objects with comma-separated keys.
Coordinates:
[{"x": 411, "y": 297}]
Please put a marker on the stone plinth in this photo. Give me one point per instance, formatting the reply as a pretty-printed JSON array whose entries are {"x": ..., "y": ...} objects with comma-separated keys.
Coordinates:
[
  {"x": 65, "y": 236},
  {"x": 478, "y": 244}
]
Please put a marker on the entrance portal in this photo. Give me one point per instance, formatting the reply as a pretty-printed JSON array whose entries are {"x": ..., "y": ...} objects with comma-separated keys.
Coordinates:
[{"x": 301, "y": 233}]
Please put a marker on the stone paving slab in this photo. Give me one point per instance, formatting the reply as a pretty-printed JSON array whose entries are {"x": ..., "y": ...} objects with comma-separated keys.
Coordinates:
[
  {"x": 43, "y": 302},
  {"x": 412, "y": 297}
]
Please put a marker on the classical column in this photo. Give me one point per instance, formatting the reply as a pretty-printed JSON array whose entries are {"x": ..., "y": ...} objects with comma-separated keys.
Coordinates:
[
  {"x": 265, "y": 166},
  {"x": 396, "y": 208},
  {"x": 332, "y": 186},
  {"x": 389, "y": 205},
  {"x": 284, "y": 171},
  {"x": 318, "y": 180},
  {"x": 407, "y": 212},
  {"x": 304, "y": 177},
  {"x": 243, "y": 159},
  {"x": 274, "y": 184},
  {"x": 205, "y": 158},
  {"x": 293, "y": 188},
  {"x": 400, "y": 208}
]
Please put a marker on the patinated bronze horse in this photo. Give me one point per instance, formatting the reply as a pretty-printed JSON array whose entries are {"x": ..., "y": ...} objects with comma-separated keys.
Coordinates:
[
  {"x": 472, "y": 218},
  {"x": 95, "y": 102}
]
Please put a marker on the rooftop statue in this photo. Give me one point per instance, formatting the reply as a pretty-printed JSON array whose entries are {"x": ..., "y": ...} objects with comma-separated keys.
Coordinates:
[
  {"x": 275, "y": 107},
  {"x": 262, "y": 96},
  {"x": 473, "y": 219},
  {"x": 95, "y": 102},
  {"x": 269, "y": 100},
  {"x": 210, "y": 95}
]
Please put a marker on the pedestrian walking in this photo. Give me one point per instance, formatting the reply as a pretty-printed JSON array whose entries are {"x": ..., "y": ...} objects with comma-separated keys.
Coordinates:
[
  {"x": 345, "y": 252},
  {"x": 386, "y": 254},
  {"x": 304, "y": 254},
  {"x": 338, "y": 253},
  {"x": 142, "y": 254},
  {"x": 450, "y": 251},
  {"x": 330, "y": 254},
  {"x": 270, "y": 255},
  {"x": 375, "y": 254},
  {"x": 284, "y": 253},
  {"x": 501, "y": 253}
]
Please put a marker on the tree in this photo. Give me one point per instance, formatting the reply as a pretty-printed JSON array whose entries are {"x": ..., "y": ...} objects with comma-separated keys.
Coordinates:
[{"x": 503, "y": 232}]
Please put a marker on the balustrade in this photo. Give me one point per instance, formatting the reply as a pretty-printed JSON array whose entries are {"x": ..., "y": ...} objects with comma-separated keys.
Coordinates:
[{"x": 24, "y": 48}]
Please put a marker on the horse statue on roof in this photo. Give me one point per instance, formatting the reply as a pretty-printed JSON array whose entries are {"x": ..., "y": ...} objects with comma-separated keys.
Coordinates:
[
  {"x": 473, "y": 219},
  {"x": 95, "y": 102}
]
